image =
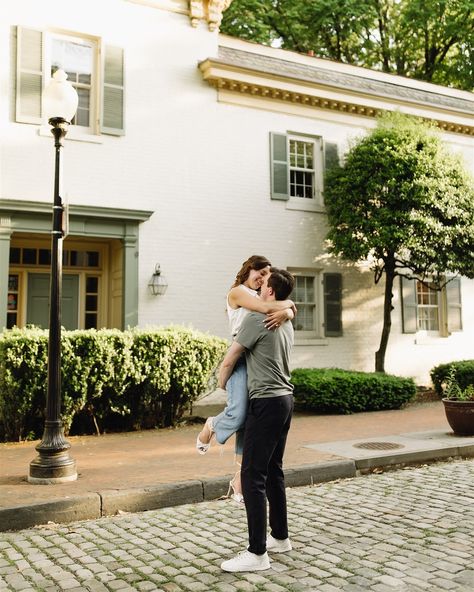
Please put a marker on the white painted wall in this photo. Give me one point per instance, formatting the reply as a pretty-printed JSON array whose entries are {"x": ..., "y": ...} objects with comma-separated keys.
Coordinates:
[{"x": 203, "y": 166}]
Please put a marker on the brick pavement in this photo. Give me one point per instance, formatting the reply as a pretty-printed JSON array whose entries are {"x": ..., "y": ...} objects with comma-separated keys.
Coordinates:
[{"x": 408, "y": 530}]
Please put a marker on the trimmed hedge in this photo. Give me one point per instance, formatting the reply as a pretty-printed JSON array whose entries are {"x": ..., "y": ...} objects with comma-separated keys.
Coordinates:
[
  {"x": 341, "y": 391},
  {"x": 124, "y": 380},
  {"x": 463, "y": 374}
]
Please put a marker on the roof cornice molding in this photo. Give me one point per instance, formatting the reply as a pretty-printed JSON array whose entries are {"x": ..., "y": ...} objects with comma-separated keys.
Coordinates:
[{"x": 262, "y": 77}]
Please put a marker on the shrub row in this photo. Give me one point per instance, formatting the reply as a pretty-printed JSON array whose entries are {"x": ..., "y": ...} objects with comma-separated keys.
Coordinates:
[
  {"x": 112, "y": 379},
  {"x": 463, "y": 374},
  {"x": 341, "y": 391}
]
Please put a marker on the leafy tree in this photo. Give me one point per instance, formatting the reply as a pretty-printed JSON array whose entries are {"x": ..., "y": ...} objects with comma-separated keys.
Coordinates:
[
  {"x": 405, "y": 204},
  {"x": 432, "y": 41}
]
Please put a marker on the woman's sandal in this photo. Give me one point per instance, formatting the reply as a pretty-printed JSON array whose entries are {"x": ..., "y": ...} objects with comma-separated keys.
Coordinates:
[
  {"x": 203, "y": 447},
  {"x": 236, "y": 495}
]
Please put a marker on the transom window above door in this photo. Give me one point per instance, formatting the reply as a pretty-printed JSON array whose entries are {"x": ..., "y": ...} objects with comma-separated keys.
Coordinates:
[{"x": 71, "y": 257}]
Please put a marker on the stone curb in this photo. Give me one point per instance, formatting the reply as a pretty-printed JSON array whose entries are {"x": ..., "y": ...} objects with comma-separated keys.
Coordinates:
[
  {"x": 112, "y": 501},
  {"x": 109, "y": 502}
]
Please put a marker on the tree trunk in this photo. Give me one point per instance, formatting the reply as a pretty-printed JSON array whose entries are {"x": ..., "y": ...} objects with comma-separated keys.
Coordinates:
[{"x": 387, "y": 316}]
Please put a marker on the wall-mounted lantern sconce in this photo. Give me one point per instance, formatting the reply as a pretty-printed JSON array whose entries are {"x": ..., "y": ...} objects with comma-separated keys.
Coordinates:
[{"x": 157, "y": 284}]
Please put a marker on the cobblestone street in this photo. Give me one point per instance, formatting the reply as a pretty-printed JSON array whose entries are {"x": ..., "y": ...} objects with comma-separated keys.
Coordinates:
[{"x": 410, "y": 529}]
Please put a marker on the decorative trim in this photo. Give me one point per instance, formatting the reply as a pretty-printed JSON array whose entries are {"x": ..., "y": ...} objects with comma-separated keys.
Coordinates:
[
  {"x": 39, "y": 207},
  {"x": 229, "y": 77},
  {"x": 315, "y": 73},
  {"x": 209, "y": 10}
]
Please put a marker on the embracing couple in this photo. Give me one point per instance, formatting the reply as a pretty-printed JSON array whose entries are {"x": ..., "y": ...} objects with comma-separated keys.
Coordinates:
[{"x": 255, "y": 372}]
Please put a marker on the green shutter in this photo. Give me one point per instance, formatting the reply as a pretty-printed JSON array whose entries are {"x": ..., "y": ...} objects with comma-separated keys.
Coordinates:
[
  {"x": 331, "y": 156},
  {"x": 333, "y": 304},
  {"x": 409, "y": 318},
  {"x": 453, "y": 297},
  {"x": 279, "y": 166},
  {"x": 29, "y": 75},
  {"x": 113, "y": 92}
]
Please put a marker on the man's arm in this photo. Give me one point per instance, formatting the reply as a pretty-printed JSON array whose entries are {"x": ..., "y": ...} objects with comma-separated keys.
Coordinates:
[{"x": 233, "y": 354}]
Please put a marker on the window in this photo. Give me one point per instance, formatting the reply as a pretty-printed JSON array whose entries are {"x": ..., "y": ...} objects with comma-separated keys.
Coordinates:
[
  {"x": 427, "y": 307},
  {"x": 98, "y": 82},
  {"x": 302, "y": 169},
  {"x": 318, "y": 300},
  {"x": 76, "y": 57},
  {"x": 297, "y": 169},
  {"x": 430, "y": 310},
  {"x": 12, "y": 305}
]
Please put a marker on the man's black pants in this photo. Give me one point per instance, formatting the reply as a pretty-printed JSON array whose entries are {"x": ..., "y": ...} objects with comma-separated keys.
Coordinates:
[{"x": 266, "y": 429}]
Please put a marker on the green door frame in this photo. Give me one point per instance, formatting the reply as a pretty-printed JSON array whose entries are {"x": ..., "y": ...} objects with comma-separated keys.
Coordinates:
[{"x": 86, "y": 221}]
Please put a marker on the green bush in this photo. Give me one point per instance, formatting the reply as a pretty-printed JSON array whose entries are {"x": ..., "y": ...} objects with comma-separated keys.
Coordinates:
[
  {"x": 463, "y": 374},
  {"x": 117, "y": 379},
  {"x": 340, "y": 391}
]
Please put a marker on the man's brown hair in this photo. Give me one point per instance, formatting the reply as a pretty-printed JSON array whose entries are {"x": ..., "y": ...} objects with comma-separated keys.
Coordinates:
[{"x": 281, "y": 282}]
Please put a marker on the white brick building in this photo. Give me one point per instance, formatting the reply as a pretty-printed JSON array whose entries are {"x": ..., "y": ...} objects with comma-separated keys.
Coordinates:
[{"x": 171, "y": 160}]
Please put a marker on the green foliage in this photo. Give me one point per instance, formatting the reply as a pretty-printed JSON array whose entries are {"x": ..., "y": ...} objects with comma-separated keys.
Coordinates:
[
  {"x": 454, "y": 392},
  {"x": 431, "y": 41},
  {"x": 131, "y": 379},
  {"x": 340, "y": 391},
  {"x": 460, "y": 373},
  {"x": 411, "y": 202}
]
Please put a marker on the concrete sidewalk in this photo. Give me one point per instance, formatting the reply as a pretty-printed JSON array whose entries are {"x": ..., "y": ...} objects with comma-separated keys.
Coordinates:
[{"x": 138, "y": 471}]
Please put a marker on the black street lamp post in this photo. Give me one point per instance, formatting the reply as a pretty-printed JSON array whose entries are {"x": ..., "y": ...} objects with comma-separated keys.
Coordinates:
[{"x": 53, "y": 463}]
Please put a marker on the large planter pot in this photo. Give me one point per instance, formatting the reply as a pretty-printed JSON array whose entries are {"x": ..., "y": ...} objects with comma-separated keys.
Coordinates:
[{"x": 460, "y": 416}]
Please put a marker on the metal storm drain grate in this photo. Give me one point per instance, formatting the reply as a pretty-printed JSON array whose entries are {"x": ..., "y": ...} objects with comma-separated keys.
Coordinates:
[{"x": 378, "y": 445}]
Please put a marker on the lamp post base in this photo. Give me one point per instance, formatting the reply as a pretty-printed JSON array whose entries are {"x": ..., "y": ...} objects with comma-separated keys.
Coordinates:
[{"x": 53, "y": 463}]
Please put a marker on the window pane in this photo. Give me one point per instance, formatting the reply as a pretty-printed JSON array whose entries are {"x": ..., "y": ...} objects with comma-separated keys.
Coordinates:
[
  {"x": 29, "y": 257},
  {"x": 44, "y": 257},
  {"x": 92, "y": 285},
  {"x": 13, "y": 283},
  {"x": 91, "y": 302},
  {"x": 92, "y": 258},
  {"x": 11, "y": 320},
  {"x": 91, "y": 321},
  {"x": 12, "y": 301},
  {"x": 15, "y": 255}
]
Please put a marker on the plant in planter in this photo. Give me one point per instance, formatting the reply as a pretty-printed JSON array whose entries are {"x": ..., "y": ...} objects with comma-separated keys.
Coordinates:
[{"x": 459, "y": 406}]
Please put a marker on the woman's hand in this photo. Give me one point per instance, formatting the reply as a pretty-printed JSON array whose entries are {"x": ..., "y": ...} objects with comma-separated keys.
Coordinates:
[{"x": 275, "y": 319}]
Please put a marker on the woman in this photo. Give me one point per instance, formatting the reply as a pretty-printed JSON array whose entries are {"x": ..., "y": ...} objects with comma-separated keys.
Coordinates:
[{"x": 242, "y": 298}]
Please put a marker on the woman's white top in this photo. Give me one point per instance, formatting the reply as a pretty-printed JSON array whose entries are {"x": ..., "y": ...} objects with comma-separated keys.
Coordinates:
[{"x": 237, "y": 315}]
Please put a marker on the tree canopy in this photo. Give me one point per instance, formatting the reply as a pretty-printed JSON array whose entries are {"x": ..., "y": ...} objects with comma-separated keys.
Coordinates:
[
  {"x": 405, "y": 204},
  {"x": 432, "y": 41}
]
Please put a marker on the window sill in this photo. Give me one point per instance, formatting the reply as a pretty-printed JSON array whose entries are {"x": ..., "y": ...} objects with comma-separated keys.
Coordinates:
[
  {"x": 430, "y": 339},
  {"x": 306, "y": 205},
  {"x": 310, "y": 341},
  {"x": 72, "y": 134}
]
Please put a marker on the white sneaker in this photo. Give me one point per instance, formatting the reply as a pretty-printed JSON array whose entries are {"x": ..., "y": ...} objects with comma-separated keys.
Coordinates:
[
  {"x": 247, "y": 561},
  {"x": 277, "y": 545}
]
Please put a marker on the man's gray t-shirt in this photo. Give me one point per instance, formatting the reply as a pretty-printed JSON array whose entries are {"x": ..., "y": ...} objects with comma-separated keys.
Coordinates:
[{"x": 267, "y": 354}]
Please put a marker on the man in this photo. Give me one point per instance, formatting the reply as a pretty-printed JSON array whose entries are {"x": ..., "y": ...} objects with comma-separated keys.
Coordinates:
[{"x": 266, "y": 428}]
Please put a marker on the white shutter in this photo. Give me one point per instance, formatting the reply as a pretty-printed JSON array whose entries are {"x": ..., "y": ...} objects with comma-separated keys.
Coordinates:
[
  {"x": 29, "y": 75},
  {"x": 113, "y": 92}
]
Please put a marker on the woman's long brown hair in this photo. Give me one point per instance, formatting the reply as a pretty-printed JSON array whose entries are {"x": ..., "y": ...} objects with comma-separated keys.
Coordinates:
[{"x": 256, "y": 262}]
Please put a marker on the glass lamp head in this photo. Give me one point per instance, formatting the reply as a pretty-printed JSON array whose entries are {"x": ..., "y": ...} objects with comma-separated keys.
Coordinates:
[{"x": 60, "y": 98}]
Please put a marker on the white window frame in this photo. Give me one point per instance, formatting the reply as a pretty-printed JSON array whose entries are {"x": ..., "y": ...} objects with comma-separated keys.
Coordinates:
[
  {"x": 316, "y": 203},
  {"x": 438, "y": 295},
  {"x": 94, "y": 118},
  {"x": 316, "y": 335}
]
